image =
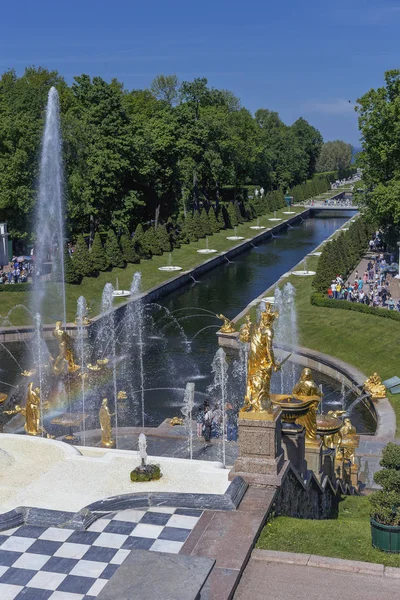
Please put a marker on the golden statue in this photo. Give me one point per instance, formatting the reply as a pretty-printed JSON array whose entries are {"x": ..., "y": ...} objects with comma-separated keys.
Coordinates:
[
  {"x": 107, "y": 440},
  {"x": 374, "y": 386},
  {"x": 176, "y": 421},
  {"x": 31, "y": 412},
  {"x": 228, "y": 326},
  {"x": 347, "y": 429},
  {"x": 66, "y": 355},
  {"x": 333, "y": 440},
  {"x": 261, "y": 363},
  {"x": 244, "y": 335},
  {"x": 122, "y": 395},
  {"x": 306, "y": 386}
]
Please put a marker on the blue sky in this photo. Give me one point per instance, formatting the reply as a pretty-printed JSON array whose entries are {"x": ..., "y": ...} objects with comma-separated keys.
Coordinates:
[{"x": 298, "y": 58}]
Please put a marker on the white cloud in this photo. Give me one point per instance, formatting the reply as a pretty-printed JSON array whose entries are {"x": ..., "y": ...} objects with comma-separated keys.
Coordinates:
[{"x": 332, "y": 107}]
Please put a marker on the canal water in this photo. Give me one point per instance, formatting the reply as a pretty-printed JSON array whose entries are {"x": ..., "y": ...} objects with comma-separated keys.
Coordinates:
[{"x": 179, "y": 332}]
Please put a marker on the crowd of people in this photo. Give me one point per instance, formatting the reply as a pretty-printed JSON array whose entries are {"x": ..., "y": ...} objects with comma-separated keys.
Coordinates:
[
  {"x": 373, "y": 286},
  {"x": 20, "y": 270},
  {"x": 211, "y": 422}
]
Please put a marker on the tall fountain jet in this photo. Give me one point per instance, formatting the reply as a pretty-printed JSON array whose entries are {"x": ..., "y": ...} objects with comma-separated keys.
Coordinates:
[{"x": 49, "y": 218}]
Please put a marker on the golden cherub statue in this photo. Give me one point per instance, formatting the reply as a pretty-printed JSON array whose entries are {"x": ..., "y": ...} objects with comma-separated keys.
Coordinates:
[
  {"x": 66, "y": 355},
  {"x": 228, "y": 326},
  {"x": 306, "y": 386},
  {"x": 349, "y": 442},
  {"x": 374, "y": 386},
  {"x": 261, "y": 363},
  {"x": 107, "y": 440},
  {"x": 244, "y": 335}
]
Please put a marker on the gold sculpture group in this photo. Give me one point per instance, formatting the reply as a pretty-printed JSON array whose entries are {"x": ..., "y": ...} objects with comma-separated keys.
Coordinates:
[
  {"x": 64, "y": 363},
  {"x": 302, "y": 404}
]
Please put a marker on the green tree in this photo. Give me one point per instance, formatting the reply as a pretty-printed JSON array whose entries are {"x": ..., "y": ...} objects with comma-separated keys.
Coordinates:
[
  {"x": 334, "y": 156},
  {"x": 98, "y": 255},
  {"x": 214, "y": 225},
  {"x": 165, "y": 87},
  {"x": 113, "y": 251},
  {"x": 310, "y": 140},
  {"x": 163, "y": 238},
  {"x": 128, "y": 249},
  {"x": 81, "y": 258},
  {"x": 70, "y": 274}
]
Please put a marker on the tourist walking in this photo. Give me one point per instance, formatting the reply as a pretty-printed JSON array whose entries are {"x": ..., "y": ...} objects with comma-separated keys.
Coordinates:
[{"x": 207, "y": 421}]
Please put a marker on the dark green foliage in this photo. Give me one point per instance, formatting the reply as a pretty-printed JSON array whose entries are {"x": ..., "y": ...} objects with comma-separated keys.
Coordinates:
[
  {"x": 152, "y": 242},
  {"x": 16, "y": 287},
  {"x": 221, "y": 218},
  {"x": 140, "y": 243},
  {"x": 128, "y": 249},
  {"x": 322, "y": 300},
  {"x": 113, "y": 251},
  {"x": 232, "y": 216},
  {"x": 70, "y": 274},
  {"x": 205, "y": 222},
  {"x": 81, "y": 258},
  {"x": 197, "y": 225},
  {"x": 98, "y": 255},
  {"x": 214, "y": 225},
  {"x": 147, "y": 473},
  {"x": 173, "y": 233},
  {"x": 385, "y": 504},
  {"x": 163, "y": 238}
]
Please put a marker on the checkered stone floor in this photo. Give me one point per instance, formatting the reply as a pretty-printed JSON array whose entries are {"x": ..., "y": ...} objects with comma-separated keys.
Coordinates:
[{"x": 38, "y": 563}]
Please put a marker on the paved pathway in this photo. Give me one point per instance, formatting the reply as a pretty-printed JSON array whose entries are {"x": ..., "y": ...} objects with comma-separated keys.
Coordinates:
[
  {"x": 394, "y": 284},
  {"x": 264, "y": 581}
]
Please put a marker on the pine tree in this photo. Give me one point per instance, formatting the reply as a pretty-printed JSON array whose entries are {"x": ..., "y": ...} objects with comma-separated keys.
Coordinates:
[
  {"x": 113, "y": 251},
  {"x": 205, "y": 222},
  {"x": 172, "y": 233},
  {"x": 222, "y": 217},
  {"x": 214, "y": 225},
  {"x": 151, "y": 242},
  {"x": 81, "y": 258},
  {"x": 70, "y": 275},
  {"x": 128, "y": 249},
  {"x": 98, "y": 255},
  {"x": 163, "y": 238},
  {"x": 238, "y": 213},
  {"x": 233, "y": 221},
  {"x": 139, "y": 242},
  {"x": 198, "y": 225}
]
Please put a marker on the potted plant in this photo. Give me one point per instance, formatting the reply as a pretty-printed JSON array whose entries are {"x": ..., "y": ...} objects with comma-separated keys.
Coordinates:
[{"x": 385, "y": 503}]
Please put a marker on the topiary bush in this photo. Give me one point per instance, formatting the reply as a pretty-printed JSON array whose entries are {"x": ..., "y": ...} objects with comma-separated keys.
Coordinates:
[
  {"x": 98, "y": 255},
  {"x": 385, "y": 503},
  {"x": 81, "y": 258},
  {"x": 113, "y": 251},
  {"x": 70, "y": 274},
  {"x": 325, "y": 302},
  {"x": 147, "y": 473}
]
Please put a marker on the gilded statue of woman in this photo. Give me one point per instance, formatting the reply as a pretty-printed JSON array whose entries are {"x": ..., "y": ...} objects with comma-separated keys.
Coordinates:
[
  {"x": 105, "y": 424},
  {"x": 261, "y": 363},
  {"x": 65, "y": 355},
  {"x": 306, "y": 386}
]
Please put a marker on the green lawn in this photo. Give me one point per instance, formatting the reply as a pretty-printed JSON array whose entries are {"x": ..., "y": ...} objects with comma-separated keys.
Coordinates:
[
  {"x": 92, "y": 287},
  {"x": 348, "y": 536}
]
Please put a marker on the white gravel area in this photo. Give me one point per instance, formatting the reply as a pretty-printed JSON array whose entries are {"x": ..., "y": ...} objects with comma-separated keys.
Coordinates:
[{"x": 49, "y": 474}]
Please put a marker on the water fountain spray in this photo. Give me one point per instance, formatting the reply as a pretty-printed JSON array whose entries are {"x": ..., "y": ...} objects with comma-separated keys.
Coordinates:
[
  {"x": 49, "y": 220},
  {"x": 187, "y": 411},
  {"x": 218, "y": 388}
]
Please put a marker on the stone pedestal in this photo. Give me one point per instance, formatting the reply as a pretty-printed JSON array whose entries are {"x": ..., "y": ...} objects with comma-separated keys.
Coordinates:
[
  {"x": 328, "y": 463},
  {"x": 260, "y": 452},
  {"x": 293, "y": 444},
  {"x": 314, "y": 456}
]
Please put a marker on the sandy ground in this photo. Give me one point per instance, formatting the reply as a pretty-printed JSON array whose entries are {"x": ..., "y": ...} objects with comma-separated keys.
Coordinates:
[{"x": 49, "y": 474}]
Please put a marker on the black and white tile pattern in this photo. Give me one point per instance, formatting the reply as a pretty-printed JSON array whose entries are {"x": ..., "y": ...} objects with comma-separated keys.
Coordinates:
[{"x": 38, "y": 563}]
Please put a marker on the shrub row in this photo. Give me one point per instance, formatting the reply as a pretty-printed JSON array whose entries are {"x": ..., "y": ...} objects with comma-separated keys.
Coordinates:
[
  {"x": 324, "y": 302},
  {"x": 341, "y": 255},
  {"x": 15, "y": 287},
  {"x": 149, "y": 242}
]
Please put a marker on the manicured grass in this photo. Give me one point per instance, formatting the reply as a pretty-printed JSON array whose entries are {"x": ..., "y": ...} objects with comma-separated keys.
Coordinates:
[
  {"x": 348, "y": 536},
  {"x": 92, "y": 287}
]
